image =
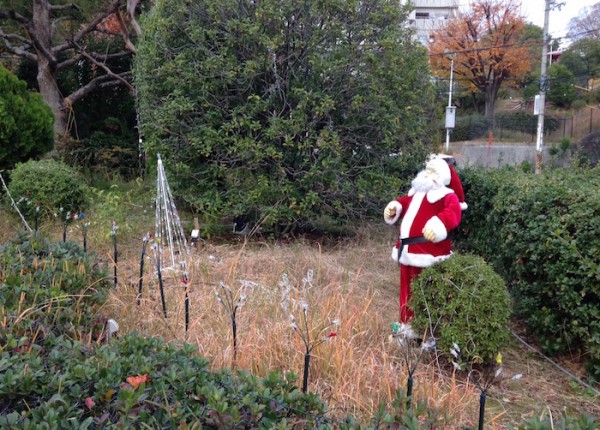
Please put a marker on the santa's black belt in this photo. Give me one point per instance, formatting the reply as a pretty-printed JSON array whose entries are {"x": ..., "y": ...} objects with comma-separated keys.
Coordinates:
[{"x": 410, "y": 241}]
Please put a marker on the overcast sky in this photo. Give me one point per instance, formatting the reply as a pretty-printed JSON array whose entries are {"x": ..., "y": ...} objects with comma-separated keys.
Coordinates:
[{"x": 533, "y": 10}]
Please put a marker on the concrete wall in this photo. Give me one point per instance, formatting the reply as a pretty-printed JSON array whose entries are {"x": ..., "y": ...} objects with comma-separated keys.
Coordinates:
[{"x": 498, "y": 155}]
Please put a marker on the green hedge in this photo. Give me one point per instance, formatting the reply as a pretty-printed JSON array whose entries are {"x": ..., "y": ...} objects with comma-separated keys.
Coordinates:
[
  {"x": 541, "y": 234},
  {"x": 470, "y": 127}
]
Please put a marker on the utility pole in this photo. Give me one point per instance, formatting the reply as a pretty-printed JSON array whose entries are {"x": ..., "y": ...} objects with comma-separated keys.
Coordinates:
[
  {"x": 550, "y": 4},
  {"x": 539, "y": 146}
]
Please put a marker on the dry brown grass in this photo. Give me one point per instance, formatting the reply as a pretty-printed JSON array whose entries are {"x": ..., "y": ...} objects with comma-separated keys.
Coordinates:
[{"x": 353, "y": 281}]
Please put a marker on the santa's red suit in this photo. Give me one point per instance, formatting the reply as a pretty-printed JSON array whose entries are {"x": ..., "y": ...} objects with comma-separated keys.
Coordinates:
[{"x": 433, "y": 214}]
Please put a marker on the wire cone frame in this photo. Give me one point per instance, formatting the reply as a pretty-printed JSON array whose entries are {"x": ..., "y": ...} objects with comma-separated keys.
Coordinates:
[{"x": 171, "y": 250}]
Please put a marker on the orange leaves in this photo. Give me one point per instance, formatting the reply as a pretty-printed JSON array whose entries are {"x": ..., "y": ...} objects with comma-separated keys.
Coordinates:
[
  {"x": 484, "y": 43},
  {"x": 110, "y": 24}
]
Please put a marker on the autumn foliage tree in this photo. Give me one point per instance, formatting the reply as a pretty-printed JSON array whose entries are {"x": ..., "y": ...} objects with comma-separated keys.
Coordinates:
[{"x": 485, "y": 45}]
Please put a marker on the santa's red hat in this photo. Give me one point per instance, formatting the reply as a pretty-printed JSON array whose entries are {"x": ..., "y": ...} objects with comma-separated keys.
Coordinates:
[{"x": 456, "y": 185}]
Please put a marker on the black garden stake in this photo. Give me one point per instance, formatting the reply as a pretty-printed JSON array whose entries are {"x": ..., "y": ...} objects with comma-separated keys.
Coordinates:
[
  {"x": 145, "y": 241},
  {"x": 113, "y": 233},
  {"x": 484, "y": 379},
  {"x": 233, "y": 303},
  {"x": 411, "y": 355}
]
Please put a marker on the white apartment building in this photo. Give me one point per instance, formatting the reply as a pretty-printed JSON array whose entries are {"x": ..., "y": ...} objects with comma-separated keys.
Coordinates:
[{"x": 429, "y": 15}]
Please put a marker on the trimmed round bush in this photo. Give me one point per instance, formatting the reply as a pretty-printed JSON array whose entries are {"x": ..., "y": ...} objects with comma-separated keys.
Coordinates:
[
  {"x": 463, "y": 301},
  {"x": 51, "y": 183}
]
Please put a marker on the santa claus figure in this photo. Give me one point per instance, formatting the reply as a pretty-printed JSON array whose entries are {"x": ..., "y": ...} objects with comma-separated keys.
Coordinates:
[{"x": 429, "y": 211}]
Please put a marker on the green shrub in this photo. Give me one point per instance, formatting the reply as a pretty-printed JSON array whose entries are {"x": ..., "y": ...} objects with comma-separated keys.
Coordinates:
[
  {"x": 111, "y": 151},
  {"x": 549, "y": 257},
  {"x": 470, "y": 127},
  {"x": 463, "y": 301},
  {"x": 540, "y": 234},
  {"x": 26, "y": 122},
  {"x": 581, "y": 422},
  {"x": 578, "y": 104},
  {"x": 293, "y": 140},
  {"x": 475, "y": 234},
  {"x": 588, "y": 149},
  {"x": 525, "y": 122},
  {"x": 53, "y": 184}
]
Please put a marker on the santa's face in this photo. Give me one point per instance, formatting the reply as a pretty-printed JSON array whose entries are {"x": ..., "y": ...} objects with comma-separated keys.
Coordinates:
[{"x": 427, "y": 180}]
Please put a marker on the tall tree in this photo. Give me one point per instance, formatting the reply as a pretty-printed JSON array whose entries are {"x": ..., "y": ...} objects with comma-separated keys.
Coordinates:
[
  {"x": 561, "y": 86},
  {"x": 294, "y": 111},
  {"x": 586, "y": 25},
  {"x": 58, "y": 35},
  {"x": 485, "y": 45},
  {"x": 582, "y": 58}
]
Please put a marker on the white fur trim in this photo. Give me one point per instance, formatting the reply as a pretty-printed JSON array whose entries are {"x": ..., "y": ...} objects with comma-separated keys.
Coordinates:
[
  {"x": 420, "y": 260},
  {"x": 398, "y": 206},
  {"x": 464, "y": 206},
  {"x": 438, "y": 227},
  {"x": 411, "y": 213},
  {"x": 394, "y": 255},
  {"x": 438, "y": 194}
]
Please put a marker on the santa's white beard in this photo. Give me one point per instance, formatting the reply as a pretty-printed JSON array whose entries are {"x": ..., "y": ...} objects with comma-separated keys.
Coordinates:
[{"x": 425, "y": 181}]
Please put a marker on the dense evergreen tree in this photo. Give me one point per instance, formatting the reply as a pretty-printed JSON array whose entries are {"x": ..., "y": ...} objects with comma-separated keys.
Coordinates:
[
  {"x": 291, "y": 111},
  {"x": 26, "y": 122}
]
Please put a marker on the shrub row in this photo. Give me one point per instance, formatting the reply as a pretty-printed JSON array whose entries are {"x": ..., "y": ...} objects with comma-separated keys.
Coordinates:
[{"x": 540, "y": 234}]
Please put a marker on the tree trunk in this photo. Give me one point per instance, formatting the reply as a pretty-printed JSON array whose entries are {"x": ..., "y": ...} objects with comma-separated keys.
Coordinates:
[
  {"x": 52, "y": 96},
  {"x": 490, "y": 103},
  {"x": 46, "y": 76}
]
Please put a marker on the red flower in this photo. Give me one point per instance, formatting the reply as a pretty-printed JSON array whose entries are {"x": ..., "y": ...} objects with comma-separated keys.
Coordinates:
[
  {"x": 89, "y": 402},
  {"x": 330, "y": 335}
]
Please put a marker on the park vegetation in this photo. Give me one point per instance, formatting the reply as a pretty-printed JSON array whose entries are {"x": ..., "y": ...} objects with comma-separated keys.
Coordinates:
[{"x": 302, "y": 119}]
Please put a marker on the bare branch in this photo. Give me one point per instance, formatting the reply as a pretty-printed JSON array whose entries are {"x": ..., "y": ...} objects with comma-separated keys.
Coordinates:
[
  {"x": 91, "y": 26},
  {"x": 16, "y": 37},
  {"x": 11, "y": 14},
  {"x": 67, "y": 6},
  {"x": 97, "y": 56},
  {"x": 109, "y": 72},
  {"x": 20, "y": 51},
  {"x": 131, "y": 6},
  {"x": 97, "y": 82}
]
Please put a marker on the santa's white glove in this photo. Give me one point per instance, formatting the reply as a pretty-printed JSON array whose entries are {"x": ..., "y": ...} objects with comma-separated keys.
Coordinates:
[
  {"x": 429, "y": 234},
  {"x": 390, "y": 211}
]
